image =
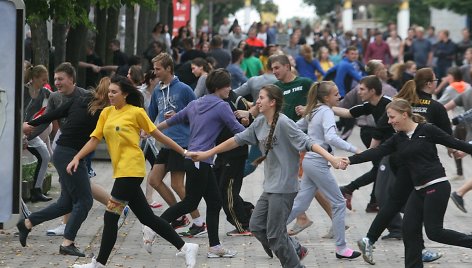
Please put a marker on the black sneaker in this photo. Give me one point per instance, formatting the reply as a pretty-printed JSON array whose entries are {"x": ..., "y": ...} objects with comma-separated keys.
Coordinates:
[
  {"x": 180, "y": 223},
  {"x": 393, "y": 236},
  {"x": 22, "y": 232},
  {"x": 194, "y": 231},
  {"x": 268, "y": 251},
  {"x": 372, "y": 208},
  {"x": 71, "y": 250},
  {"x": 459, "y": 201}
]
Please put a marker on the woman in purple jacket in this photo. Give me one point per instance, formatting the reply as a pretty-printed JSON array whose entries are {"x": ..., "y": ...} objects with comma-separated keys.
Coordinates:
[{"x": 207, "y": 116}]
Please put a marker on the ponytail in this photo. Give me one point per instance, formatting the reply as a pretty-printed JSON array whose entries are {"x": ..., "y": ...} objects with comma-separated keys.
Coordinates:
[
  {"x": 418, "y": 118},
  {"x": 316, "y": 95}
]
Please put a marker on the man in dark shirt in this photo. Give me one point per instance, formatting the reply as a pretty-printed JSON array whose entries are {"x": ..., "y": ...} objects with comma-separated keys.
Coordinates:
[
  {"x": 370, "y": 91},
  {"x": 222, "y": 57}
]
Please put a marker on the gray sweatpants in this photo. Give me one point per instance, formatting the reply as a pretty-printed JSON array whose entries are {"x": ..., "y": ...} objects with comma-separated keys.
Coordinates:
[
  {"x": 317, "y": 176},
  {"x": 267, "y": 224}
]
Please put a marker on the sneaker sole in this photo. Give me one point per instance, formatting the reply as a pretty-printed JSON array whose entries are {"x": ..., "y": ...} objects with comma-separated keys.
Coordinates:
[
  {"x": 54, "y": 234},
  {"x": 361, "y": 246},
  {"x": 239, "y": 234},
  {"x": 459, "y": 206},
  {"x": 214, "y": 256},
  {"x": 184, "y": 234}
]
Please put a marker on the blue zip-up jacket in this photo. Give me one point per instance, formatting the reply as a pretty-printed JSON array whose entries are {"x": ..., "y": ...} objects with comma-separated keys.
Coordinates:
[
  {"x": 174, "y": 97},
  {"x": 343, "y": 69}
]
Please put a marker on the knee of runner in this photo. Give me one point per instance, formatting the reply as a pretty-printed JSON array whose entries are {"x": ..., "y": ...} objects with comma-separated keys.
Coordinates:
[{"x": 116, "y": 206}]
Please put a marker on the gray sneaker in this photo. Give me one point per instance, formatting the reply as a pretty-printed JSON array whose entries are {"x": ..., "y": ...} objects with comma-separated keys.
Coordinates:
[
  {"x": 459, "y": 201},
  {"x": 220, "y": 252},
  {"x": 366, "y": 249}
]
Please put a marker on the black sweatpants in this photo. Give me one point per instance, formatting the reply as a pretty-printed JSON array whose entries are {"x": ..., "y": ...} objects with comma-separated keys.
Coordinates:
[
  {"x": 229, "y": 173},
  {"x": 200, "y": 183},
  {"x": 427, "y": 207},
  {"x": 128, "y": 190}
]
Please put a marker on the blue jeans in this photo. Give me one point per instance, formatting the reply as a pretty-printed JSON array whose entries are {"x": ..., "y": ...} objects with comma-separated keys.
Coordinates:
[{"x": 76, "y": 195}]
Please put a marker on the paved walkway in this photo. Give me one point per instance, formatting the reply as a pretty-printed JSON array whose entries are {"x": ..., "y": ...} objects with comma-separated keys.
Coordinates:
[{"x": 42, "y": 251}]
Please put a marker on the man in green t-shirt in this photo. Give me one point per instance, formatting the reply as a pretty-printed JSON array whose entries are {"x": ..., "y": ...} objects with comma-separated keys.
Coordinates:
[{"x": 295, "y": 88}]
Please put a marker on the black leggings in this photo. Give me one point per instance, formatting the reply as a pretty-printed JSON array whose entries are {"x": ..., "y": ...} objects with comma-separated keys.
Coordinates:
[
  {"x": 201, "y": 183},
  {"x": 428, "y": 206},
  {"x": 129, "y": 190}
]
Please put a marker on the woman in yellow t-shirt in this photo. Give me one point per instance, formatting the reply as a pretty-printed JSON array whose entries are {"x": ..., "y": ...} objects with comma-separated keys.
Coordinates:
[{"x": 120, "y": 124}]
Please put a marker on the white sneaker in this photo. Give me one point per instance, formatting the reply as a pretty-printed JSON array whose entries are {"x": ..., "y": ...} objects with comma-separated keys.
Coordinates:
[
  {"x": 149, "y": 237},
  {"x": 220, "y": 252},
  {"x": 93, "y": 264},
  {"x": 58, "y": 231},
  {"x": 189, "y": 251}
]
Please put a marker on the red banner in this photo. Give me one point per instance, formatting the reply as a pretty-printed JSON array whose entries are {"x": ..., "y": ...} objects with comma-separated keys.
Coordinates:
[{"x": 181, "y": 14}]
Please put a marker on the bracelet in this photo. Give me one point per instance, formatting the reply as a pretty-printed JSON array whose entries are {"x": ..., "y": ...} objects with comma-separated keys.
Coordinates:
[{"x": 185, "y": 152}]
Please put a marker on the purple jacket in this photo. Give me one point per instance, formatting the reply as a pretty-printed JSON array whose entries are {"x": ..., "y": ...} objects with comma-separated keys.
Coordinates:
[{"x": 207, "y": 116}]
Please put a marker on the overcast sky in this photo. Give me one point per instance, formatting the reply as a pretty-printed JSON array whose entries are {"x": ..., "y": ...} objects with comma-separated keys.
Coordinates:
[{"x": 294, "y": 8}]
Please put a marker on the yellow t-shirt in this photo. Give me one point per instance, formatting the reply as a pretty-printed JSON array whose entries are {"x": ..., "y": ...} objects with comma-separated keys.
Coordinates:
[{"x": 121, "y": 131}]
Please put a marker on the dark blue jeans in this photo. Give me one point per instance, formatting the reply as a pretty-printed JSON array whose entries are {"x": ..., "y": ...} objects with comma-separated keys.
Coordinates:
[{"x": 76, "y": 195}]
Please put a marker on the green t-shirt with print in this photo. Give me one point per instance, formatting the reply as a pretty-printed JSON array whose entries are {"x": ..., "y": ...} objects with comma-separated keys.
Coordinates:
[{"x": 295, "y": 93}]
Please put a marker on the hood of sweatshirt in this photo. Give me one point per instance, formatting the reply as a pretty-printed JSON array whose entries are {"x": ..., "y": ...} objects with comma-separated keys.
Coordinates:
[
  {"x": 207, "y": 102},
  {"x": 459, "y": 86}
]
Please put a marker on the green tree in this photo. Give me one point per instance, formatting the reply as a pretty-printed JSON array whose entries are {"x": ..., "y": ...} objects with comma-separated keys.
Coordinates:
[
  {"x": 459, "y": 6},
  {"x": 323, "y": 7},
  {"x": 419, "y": 13}
]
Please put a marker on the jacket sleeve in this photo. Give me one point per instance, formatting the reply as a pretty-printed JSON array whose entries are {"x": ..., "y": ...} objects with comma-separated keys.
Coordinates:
[
  {"x": 382, "y": 150},
  {"x": 229, "y": 119},
  {"x": 441, "y": 137},
  {"x": 153, "y": 109},
  {"x": 50, "y": 116},
  {"x": 330, "y": 134}
]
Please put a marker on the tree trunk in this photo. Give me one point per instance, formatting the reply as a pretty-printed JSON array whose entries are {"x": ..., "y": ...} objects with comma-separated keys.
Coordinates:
[
  {"x": 39, "y": 39},
  {"x": 146, "y": 21},
  {"x": 101, "y": 39},
  {"x": 59, "y": 43},
  {"x": 130, "y": 33},
  {"x": 112, "y": 31},
  {"x": 75, "y": 47}
]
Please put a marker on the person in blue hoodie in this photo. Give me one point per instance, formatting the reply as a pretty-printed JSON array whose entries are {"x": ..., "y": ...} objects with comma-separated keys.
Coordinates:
[
  {"x": 344, "y": 73},
  {"x": 169, "y": 97},
  {"x": 207, "y": 116}
]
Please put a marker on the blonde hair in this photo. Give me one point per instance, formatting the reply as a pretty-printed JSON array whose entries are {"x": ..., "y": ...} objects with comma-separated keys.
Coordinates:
[
  {"x": 100, "y": 96},
  {"x": 408, "y": 92},
  {"x": 403, "y": 106},
  {"x": 316, "y": 95}
]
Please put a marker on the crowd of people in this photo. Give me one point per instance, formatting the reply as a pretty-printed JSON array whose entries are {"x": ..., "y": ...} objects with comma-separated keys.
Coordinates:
[{"x": 249, "y": 100}]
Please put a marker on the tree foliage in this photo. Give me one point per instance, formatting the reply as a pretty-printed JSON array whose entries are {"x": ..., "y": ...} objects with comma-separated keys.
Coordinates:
[
  {"x": 463, "y": 7},
  {"x": 323, "y": 7},
  {"x": 419, "y": 13}
]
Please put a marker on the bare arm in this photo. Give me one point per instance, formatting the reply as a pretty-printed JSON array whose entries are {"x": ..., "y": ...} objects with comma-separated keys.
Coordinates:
[
  {"x": 342, "y": 112},
  {"x": 167, "y": 141},
  {"x": 450, "y": 105},
  {"x": 225, "y": 146}
]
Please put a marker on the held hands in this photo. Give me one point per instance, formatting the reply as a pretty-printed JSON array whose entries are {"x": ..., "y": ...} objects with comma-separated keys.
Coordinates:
[
  {"x": 27, "y": 129},
  {"x": 241, "y": 114},
  {"x": 198, "y": 156},
  {"x": 340, "y": 162},
  {"x": 72, "y": 166}
]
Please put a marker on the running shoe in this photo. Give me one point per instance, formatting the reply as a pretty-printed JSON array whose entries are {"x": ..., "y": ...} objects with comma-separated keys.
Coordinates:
[
  {"x": 372, "y": 208},
  {"x": 183, "y": 222},
  {"x": 123, "y": 217},
  {"x": 93, "y": 264},
  {"x": 302, "y": 252},
  {"x": 155, "y": 204},
  {"x": 347, "y": 194},
  {"x": 459, "y": 201},
  {"x": 58, "y": 231},
  {"x": 429, "y": 255},
  {"x": 189, "y": 251},
  {"x": 194, "y": 231},
  {"x": 149, "y": 237},
  {"x": 366, "y": 249},
  {"x": 220, "y": 252},
  {"x": 235, "y": 232}
]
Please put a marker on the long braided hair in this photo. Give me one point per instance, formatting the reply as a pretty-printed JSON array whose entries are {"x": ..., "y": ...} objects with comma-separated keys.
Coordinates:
[{"x": 273, "y": 93}]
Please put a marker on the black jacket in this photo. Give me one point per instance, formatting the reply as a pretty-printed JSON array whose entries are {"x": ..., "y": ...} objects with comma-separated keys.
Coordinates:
[{"x": 418, "y": 152}]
